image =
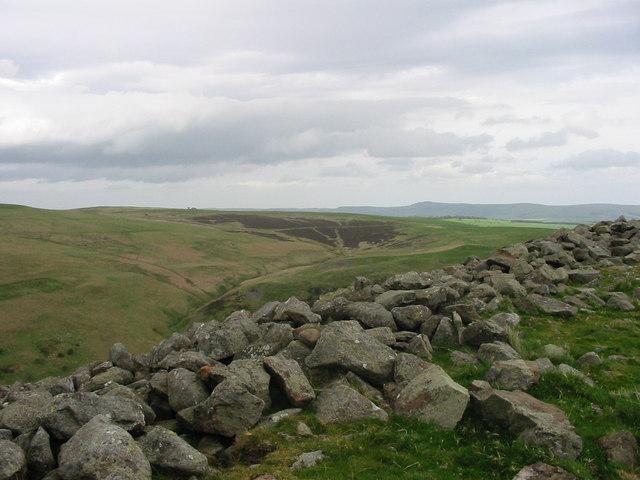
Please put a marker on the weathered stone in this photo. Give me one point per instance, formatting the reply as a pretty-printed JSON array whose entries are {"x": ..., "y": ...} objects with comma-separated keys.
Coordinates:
[
  {"x": 307, "y": 334},
  {"x": 621, "y": 448},
  {"x": 384, "y": 335},
  {"x": 406, "y": 281},
  {"x": 551, "y": 306},
  {"x": 544, "y": 364},
  {"x": 583, "y": 275},
  {"x": 303, "y": 430},
  {"x": 230, "y": 410},
  {"x": 100, "y": 450},
  {"x": 66, "y": 413},
  {"x": 120, "y": 357},
  {"x": 465, "y": 309},
  {"x": 185, "y": 389},
  {"x": 512, "y": 375},
  {"x": 420, "y": 346},
  {"x": 295, "y": 312},
  {"x": 291, "y": 379},
  {"x": 368, "y": 390},
  {"x": 590, "y": 358},
  {"x": 483, "y": 332},
  {"x": 506, "y": 319},
  {"x": 250, "y": 374},
  {"x": 275, "y": 337},
  {"x": 482, "y": 291},
  {"x": 503, "y": 259},
  {"x": 432, "y": 397},
  {"x": 112, "y": 375},
  {"x": 342, "y": 404},
  {"x": 506, "y": 284},
  {"x": 554, "y": 351},
  {"x": 463, "y": 358},
  {"x": 569, "y": 370},
  {"x": 346, "y": 345},
  {"x": 274, "y": 419},
  {"x": 162, "y": 349},
  {"x": 13, "y": 463},
  {"x": 308, "y": 460},
  {"x": 331, "y": 310},
  {"x": 189, "y": 359},
  {"x": 620, "y": 301},
  {"x": 170, "y": 454},
  {"x": 371, "y": 315},
  {"x": 396, "y": 298},
  {"x": 127, "y": 392},
  {"x": 532, "y": 421},
  {"x": 411, "y": 317},
  {"x": 490, "y": 352},
  {"x": 542, "y": 471},
  {"x": 40, "y": 459},
  {"x": 445, "y": 332},
  {"x": 408, "y": 366},
  {"x": 265, "y": 313},
  {"x": 26, "y": 414}
]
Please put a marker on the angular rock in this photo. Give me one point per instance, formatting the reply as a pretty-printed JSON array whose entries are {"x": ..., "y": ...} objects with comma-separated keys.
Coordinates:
[
  {"x": 490, "y": 352},
  {"x": 40, "y": 459},
  {"x": 411, "y": 317},
  {"x": 101, "y": 450},
  {"x": 408, "y": 366},
  {"x": 162, "y": 349},
  {"x": 230, "y": 410},
  {"x": 583, "y": 275},
  {"x": 532, "y": 421},
  {"x": 463, "y": 358},
  {"x": 551, "y": 306},
  {"x": 512, "y": 375},
  {"x": 127, "y": 392},
  {"x": 295, "y": 312},
  {"x": 265, "y": 313},
  {"x": 346, "y": 345},
  {"x": 25, "y": 415},
  {"x": 506, "y": 284},
  {"x": 13, "y": 463},
  {"x": 170, "y": 454},
  {"x": 308, "y": 460},
  {"x": 274, "y": 338},
  {"x": 371, "y": 315},
  {"x": 621, "y": 448},
  {"x": 483, "y": 332},
  {"x": 189, "y": 360},
  {"x": 307, "y": 334},
  {"x": 406, "y": 281},
  {"x": 250, "y": 374},
  {"x": 445, "y": 332},
  {"x": 620, "y": 301},
  {"x": 432, "y": 397},
  {"x": 120, "y": 357},
  {"x": 590, "y": 358},
  {"x": 384, "y": 335},
  {"x": 465, "y": 309},
  {"x": 68, "y": 412},
  {"x": 569, "y": 370},
  {"x": 342, "y": 404},
  {"x": 420, "y": 346},
  {"x": 185, "y": 389},
  {"x": 505, "y": 320},
  {"x": 112, "y": 375},
  {"x": 291, "y": 379},
  {"x": 542, "y": 471}
]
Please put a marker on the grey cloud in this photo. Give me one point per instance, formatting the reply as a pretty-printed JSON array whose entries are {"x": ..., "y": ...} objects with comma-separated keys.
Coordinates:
[
  {"x": 506, "y": 119},
  {"x": 600, "y": 159},
  {"x": 550, "y": 139}
]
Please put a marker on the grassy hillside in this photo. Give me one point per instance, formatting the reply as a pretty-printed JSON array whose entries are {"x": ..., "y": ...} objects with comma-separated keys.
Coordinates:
[{"x": 72, "y": 283}]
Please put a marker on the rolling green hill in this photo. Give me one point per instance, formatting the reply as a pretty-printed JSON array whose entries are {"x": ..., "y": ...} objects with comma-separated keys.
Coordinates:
[{"x": 74, "y": 282}]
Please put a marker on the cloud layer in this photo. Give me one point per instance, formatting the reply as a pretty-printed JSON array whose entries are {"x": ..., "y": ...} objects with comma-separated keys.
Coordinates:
[{"x": 294, "y": 104}]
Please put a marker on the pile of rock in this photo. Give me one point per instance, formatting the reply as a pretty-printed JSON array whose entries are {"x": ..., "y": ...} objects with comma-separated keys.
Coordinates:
[{"x": 367, "y": 348}]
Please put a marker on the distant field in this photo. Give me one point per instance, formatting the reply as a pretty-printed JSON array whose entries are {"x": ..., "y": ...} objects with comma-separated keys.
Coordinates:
[
  {"x": 74, "y": 282},
  {"x": 486, "y": 222}
]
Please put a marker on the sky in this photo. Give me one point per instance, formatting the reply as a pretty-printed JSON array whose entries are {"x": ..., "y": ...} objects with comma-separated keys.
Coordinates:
[{"x": 299, "y": 104}]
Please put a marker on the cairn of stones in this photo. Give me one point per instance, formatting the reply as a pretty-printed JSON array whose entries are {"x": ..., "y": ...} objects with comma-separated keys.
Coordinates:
[{"x": 359, "y": 352}]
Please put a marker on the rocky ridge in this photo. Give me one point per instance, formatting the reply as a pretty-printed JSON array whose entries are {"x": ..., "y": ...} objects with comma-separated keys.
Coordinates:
[{"x": 359, "y": 352}]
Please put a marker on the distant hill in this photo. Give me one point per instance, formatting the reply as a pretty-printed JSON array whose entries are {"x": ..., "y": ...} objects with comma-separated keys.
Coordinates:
[{"x": 588, "y": 213}]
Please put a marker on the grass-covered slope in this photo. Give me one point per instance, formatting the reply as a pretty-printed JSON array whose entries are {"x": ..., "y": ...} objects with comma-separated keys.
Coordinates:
[{"x": 74, "y": 282}]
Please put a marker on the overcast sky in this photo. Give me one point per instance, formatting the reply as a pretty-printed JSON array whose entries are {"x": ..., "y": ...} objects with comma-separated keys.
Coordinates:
[{"x": 290, "y": 103}]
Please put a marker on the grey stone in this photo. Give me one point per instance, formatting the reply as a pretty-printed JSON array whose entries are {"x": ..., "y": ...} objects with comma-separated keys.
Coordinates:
[
  {"x": 120, "y": 357},
  {"x": 122, "y": 391},
  {"x": 542, "y": 471},
  {"x": 569, "y": 370},
  {"x": 185, "y": 389},
  {"x": 13, "y": 463},
  {"x": 532, "y": 421},
  {"x": 295, "y": 312},
  {"x": 463, "y": 358},
  {"x": 274, "y": 338},
  {"x": 188, "y": 359},
  {"x": 620, "y": 301},
  {"x": 303, "y": 430},
  {"x": 265, "y": 313},
  {"x": 101, "y": 450},
  {"x": 445, "y": 332},
  {"x": 408, "y": 366},
  {"x": 342, "y": 404},
  {"x": 506, "y": 320},
  {"x": 466, "y": 310},
  {"x": 250, "y": 374},
  {"x": 230, "y": 410},
  {"x": 432, "y": 397},
  {"x": 170, "y": 454},
  {"x": 590, "y": 358},
  {"x": 506, "y": 284},
  {"x": 40, "y": 459},
  {"x": 406, "y": 281},
  {"x": 483, "y": 332},
  {"x": 66, "y": 413},
  {"x": 490, "y": 352},
  {"x": 584, "y": 275},
  {"x": 26, "y": 414},
  {"x": 411, "y": 317},
  {"x": 112, "y": 375},
  {"x": 291, "y": 379},
  {"x": 621, "y": 448},
  {"x": 220, "y": 340},
  {"x": 554, "y": 351},
  {"x": 346, "y": 345},
  {"x": 512, "y": 375},
  {"x": 420, "y": 346},
  {"x": 162, "y": 349},
  {"x": 308, "y": 460},
  {"x": 384, "y": 335},
  {"x": 274, "y": 419},
  {"x": 371, "y": 315},
  {"x": 553, "y": 307},
  {"x": 544, "y": 364}
]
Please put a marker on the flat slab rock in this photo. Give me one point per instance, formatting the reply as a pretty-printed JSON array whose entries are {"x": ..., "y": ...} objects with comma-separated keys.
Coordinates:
[
  {"x": 531, "y": 420},
  {"x": 542, "y": 471},
  {"x": 342, "y": 404}
]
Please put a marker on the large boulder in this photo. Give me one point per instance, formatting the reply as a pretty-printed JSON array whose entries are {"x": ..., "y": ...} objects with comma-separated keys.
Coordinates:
[
  {"x": 371, "y": 315},
  {"x": 220, "y": 340},
  {"x": 185, "y": 389},
  {"x": 40, "y": 459},
  {"x": 108, "y": 377},
  {"x": 433, "y": 397},
  {"x": 506, "y": 284},
  {"x": 346, "y": 345},
  {"x": 484, "y": 331},
  {"x": 551, "y": 306},
  {"x": 489, "y": 352},
  {"x": 513, "y": 374},
  {"x": 621, "y": 448},
  {"x": 66, "y": 413},
  {"x": 13, "y": 463},
  {"x": 411, "y": 317},
  {"x": 342, "y": 404},
  {"x": 530, "y": 420},
  {"x": 275, "y": 337},
  {"x": 25, "y": 414},
  {"x": 620, "y": 301},
  {"x": 295, "y": 312},
  {"x": 406, "y": 281},
  {"x": 174, "y": 343},
  {"x": 99, "y": 451},
  {"x": 171, "y": 455},
  {"x": 289, "y": 376}
]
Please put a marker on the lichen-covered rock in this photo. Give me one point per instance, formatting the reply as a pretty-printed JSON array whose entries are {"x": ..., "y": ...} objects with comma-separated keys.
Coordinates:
[
  {"x": 101, "y": 450},
  {"x": 170, "y": 454},
  {"x": 308, "y": 460},
  {"x": 346, "y": 345},
  {"x": 289, "y": 376},
  {"x": 342, "y": 404},
  {"x": 531, "y": 420},
  {"x": 188, "y": 359},
  {"x": 275, "y": 337},
  {"x": 112, "y": 375},
  {"x": 185, "y": 389},
  {"x": 432, "y": 397},
  {"x": 371, "y": 315},
  {"x": 513, "y": 374},
  {"x": 13, "y": 463},
  {"x": 506, "y": 284},
  {"x": 484, "y": 331},
  {"x": 490, "y": 352},
  {"x": 621, "y": 448},
  {"x": 406, "y": 281},
  {"x": 174, "y": 343},
  {"x": 620, "y": 301},
  {"x": 120, "y": 357},
  {"x": 551, "y": 306},
  {"x": 411, "y": 317},
  {"x": 295, "y": 312},
  {"x": 40, "y": 459},
  {"x": 542, "y": 471},
  {"x": 26, "y": 414}
]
